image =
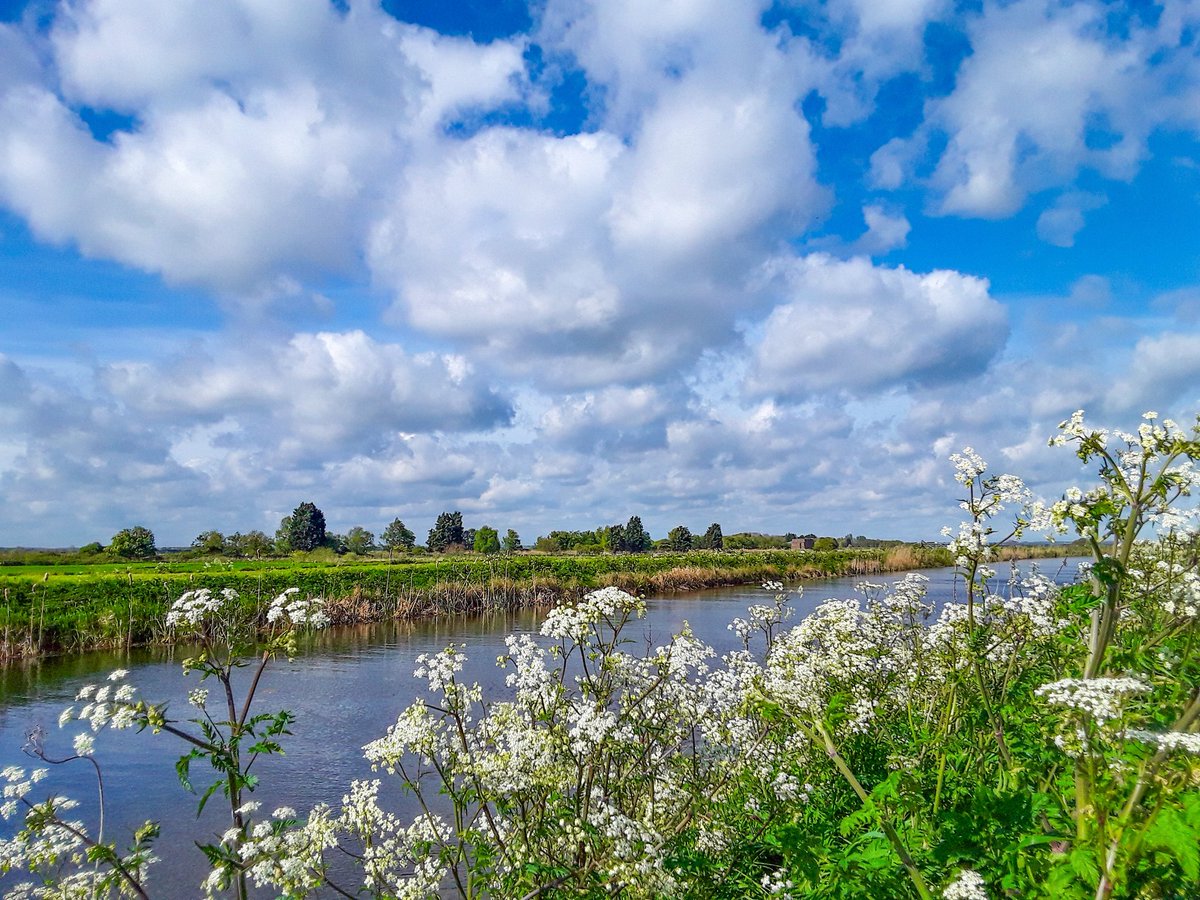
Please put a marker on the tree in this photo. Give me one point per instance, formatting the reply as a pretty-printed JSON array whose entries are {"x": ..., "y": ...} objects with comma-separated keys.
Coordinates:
[
  {"x": 613, "y": 539},
  {"x": 256, "y": 544},
  {"x": 133, "y": 543},
  {"x": 637, "y": 540},
  {"x": 212, "y": 542},
  {"x": 713, "y": 538},
  {"x": 511, "y": 542},
  {"x": 487, "y": 540},
  {"x": 303, "y": 530},
  {"x": 679, "y": 538},
  {"x": 824, "y": 543},
  {"x": 398, "y": 536},
  {"x": 448, "y": 530},
  {"x": 468, "y": 538},
  {"x": 92, "y": 549},
  {"x": 359, "y": 541}
]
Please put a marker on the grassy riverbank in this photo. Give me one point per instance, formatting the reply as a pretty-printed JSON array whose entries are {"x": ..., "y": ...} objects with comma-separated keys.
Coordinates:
[{"x": 69, "y": 609}]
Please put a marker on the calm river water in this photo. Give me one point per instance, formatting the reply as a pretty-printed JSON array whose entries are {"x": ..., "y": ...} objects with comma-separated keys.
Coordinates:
[{"x": 346, "y": 688}]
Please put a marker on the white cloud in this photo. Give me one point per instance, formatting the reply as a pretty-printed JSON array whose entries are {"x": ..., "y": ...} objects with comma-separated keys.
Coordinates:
[
  {"x": 848, "y": 325},
  {"x": 260, "y": 151},
  {"x": 1061, "y": 222},
  {"x": 332, "y": 393},
  {"x": 1041, "y": 80},
  {"x": 886, "y": 230},
  {"x": 1164, "y": 371}
]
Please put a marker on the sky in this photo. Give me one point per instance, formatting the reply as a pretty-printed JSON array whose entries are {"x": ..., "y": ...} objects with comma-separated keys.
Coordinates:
[{"x": 766, "y": 264}]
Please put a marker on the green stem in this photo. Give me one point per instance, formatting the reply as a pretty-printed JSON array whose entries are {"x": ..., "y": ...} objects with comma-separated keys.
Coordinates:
[{"x": 893, "y": 836}]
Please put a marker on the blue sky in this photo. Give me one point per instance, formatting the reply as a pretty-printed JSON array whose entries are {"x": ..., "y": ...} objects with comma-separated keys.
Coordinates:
[{"x": 555, "y": 264}]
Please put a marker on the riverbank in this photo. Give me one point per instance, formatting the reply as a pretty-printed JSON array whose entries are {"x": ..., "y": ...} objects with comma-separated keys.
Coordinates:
[{"x": 48, "y": 612}]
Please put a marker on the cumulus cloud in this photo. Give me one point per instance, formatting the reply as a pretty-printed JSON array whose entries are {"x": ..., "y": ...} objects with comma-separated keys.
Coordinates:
[
  {"x": 1047, "y": 91},
  {"x": 628, "y": 319},
  {"x": 258, "y": 152},
  {"x": 849, "y": 325},
  {"x": 325, "y": 391},
  {"x": 1165, "y": 370}
]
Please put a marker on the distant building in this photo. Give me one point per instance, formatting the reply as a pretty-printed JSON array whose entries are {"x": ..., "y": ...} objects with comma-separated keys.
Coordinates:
[{"x": 803, "y": 543}]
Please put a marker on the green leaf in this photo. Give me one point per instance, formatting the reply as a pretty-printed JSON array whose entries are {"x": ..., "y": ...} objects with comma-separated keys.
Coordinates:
[
  {"x": 1172, "y": 833},
  {"x": 212, "y": 789}
]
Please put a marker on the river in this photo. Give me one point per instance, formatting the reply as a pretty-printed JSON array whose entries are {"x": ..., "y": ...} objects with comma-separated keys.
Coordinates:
[{"x": 345, "y": 688}]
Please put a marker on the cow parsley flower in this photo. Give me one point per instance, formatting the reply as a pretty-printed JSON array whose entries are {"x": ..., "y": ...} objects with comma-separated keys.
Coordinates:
[
  {"x": 1100, "y": 698},
  {"x": 968, "y": 885},
  {"x": 1170, "y": 741}
]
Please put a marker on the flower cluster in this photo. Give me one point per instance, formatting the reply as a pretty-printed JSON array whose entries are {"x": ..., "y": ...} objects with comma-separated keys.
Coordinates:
[
  {"x": 605, "y": 606},
  {"x": 291, "y": 610},
  {"x": 109, "y": 704},
  {"x": 193, "y": 608},
  {"x": 969, "y": 885},
  {"x": 1100, "y": 699}
]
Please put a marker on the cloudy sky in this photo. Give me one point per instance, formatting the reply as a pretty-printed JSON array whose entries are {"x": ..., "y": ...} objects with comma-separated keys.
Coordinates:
[{"x": 766, "y": 264}]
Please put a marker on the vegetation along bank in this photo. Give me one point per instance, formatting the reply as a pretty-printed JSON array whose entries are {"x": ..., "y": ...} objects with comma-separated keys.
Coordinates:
[{"x": 69, "y": 609}]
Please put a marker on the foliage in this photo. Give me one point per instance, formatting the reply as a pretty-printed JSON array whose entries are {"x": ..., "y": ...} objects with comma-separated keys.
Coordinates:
[
  {"x": 133, "y": 543},
  {"x": 252, "y": 545},
  {"x": 713, "y": 539},
  {"x": 359, "y": 541},
  {"x": 511, "y": 542},
  {"x": 637, "y": 540},
  {"x": 210, "y": 542},
  {"x": 398, "y": 536},
  {"x": 447, "y": 532},
  {"x": 303, "y": 530},
  {"x": 825, "y": 543},
  {"x": 747, "y": 541},
  {"x": 679, "y": 538},
  {"x": 487, "y": 540}
]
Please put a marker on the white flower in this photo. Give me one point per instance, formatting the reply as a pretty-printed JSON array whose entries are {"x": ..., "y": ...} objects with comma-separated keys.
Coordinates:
[
  {"x": 1100, "y": 698},
  {"x": 1171, "y": 741},
  {"x": 967, "y": 886}
]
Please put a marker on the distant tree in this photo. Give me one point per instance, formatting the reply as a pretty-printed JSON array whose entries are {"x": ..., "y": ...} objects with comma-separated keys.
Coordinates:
[
  {"x": 304, "y": 529},
  {"x": 824, "y": 543},
  {"x": 637, "y": 540},
  {"x": 359, "y": 541},
  {"x": 468, "y": 538},
  {"x": 256, "y": 544},
  {"x": 91, "y": 549},
  {"x": 487, "y": 540},
  {"x": 398, "y": 536},
  {"x": 848, "y": 541},
  {"x": 613, "y": 538},
  {"x": 713, "y": 538},
  {"x": 511, "y": 542},
  {"x": 133, "y": 543},
  {"x": 679, "y": 538},
  {"x": 446, "y": 531},
  {"x": 212, "y": 542}
]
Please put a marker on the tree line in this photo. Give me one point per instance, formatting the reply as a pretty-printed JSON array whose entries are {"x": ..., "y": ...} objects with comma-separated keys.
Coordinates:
[{"x": 305, "y": 530}]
